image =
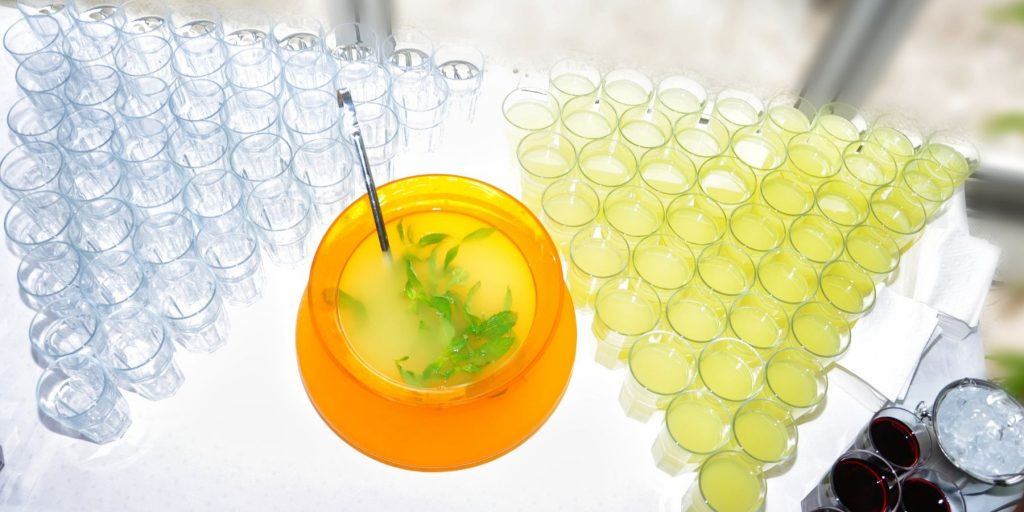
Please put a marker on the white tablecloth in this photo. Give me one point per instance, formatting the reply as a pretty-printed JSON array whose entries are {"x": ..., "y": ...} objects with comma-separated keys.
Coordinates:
[{"x": 242, "y": 435}]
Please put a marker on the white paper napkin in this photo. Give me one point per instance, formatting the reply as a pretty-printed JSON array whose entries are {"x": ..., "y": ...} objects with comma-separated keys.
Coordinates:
[
  {"x": 887, "y": 343},
  {"x": 950, "y": 271}
]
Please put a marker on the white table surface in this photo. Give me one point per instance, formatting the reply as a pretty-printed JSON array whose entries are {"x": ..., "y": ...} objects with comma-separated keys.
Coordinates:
[{"x": 242, "y": 435}]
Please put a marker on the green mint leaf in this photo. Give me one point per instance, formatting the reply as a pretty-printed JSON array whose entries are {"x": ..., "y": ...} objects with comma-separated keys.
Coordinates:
[
  {"x": 432, "y": 370},
  {"x": 450, "y": 256},
  {"x": 471, "y": 368},
  {"x": 432, "y": 238},
  {"x": 458, "y": 276},
  {"x": 353, "y": 304},
  {"x": 408, "y": 376},
  {"x": 492, "y": 350},
  {"x": 497, "y": 325},
  {"x": 479, "y": 234},
  {"x": 507, "y": 304},
  {"x": 413, "y": 286},
  {"x": 401, "y": 230},
  {"x": 442, "y": 304}
]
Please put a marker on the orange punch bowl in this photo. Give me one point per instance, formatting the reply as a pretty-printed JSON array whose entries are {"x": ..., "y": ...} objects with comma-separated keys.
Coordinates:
[{"x": 442, "y": 428}]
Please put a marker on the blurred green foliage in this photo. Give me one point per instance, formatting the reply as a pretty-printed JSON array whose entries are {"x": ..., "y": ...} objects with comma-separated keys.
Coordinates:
[
  {"x": 1007, "y": 122},
  {"x": 1012, "y": 12},
  {"x": 1012, "y": 364}
]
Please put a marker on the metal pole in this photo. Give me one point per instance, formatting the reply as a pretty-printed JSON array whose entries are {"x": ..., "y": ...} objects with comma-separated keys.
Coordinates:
[{"x": 863, "y": 38}]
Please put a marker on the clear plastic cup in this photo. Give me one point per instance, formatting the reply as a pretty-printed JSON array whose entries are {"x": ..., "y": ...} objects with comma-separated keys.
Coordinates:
[
  {"x": 787, "y": 276},
  {"x": 665, "y": 262},
  {"x": 738, "y": 109},
  {"x": 796, "y": 380},
  {"x": 661, "y": 365},
  {"x": 817, "y": 239},
  {"x": 194, "y": 21},
  {"x": 567, "y": 206},
  {"x": 31, "y": 167},
  {"x": 154, "y": 187},
  {"x": 462, "y": 66},
  {"x": 352, "y": 42},
  {"x": 596, "y": 254},
  {"x": 144, "y": 17},
  {"x": 297, "y": 33},
  {"x": 325, "y": 166},
  {"x": 901, "y": 213},
  {"x": 696, "y": 219},
  {"x": 726, "y": 269},
  {"x": 102, "y": 225},
  {"x": 821, "y": 330},
  {"x": 697, "y": 424},
  {"x": 36, "y": 12},
  {"x": 644, "y": 128},
  {"x": 91, "y": 42},
  {"x": 868, "y": 166},
  {"x": 624, "y": 309},
  {"x": 871, "y": 249},
  {"x": 76, "y": 392},
  {"x": 841, "y": 203},
  {"x": 407, "y": 52},
  {"x": 249, "y": 112},
  {"x": 144, "y": 98},
  {"x": 256, "y": 68},
  {"x": 116, "y": 280},
  {"x": 86, "y": 131},
  {"x": 573, "y": 78},
  {"x": 246, "y": 28},
  {"x": 759, "y": 320},
  {"x": 369, "y": 82},
  {"x": 766, "y": 432},
  {"x": 848, "y": 288},
  {"x": 756, "y": 228},
  {"x": 140, "y": 354},
  {"x": 668, "y": 172},
  {"x": 140, "y": 140},
  {"x": 761, "y": 149},
  {"x": 311, "y": 71},
  {"x": 145, "y": 55},
  {"x": 234, "y": 258},
  {"x": 840, "y": 122},
  {"x": 164, "y": 238},
  {"x": 421, "y": 103},
  {"x": 199, "y": 147},
  {"x": 732, "y": 370},
  {"x": 282, "y": 211},
  {"x": 311, "y": 115},
  {"x": 260, "y": 157},
  {"x": 43, "y": 72},
  {"x": 216, "y": 199},
  {"x": 37, "y": 218},
  {"x": 728, "y": 480},
  {"x": 32, "y": 35},
  {"x": 91, "y": 176},
  {"x": 728, "y": 181},
  {"x": 813, "y": 157},
  {"x": 626, "y": 88},
  {"x": 789, "y": 115},
  {"x": 701, "y": 137},
  {"x": 197, "y": 100},
  {"x": 48, "y": 273},
  {"x": 200, "y": 58},
  {"x": 543, "y": 157},
  {"x": 607, "y": 164},
  {"x": 697, "y": 314},
  {"x": 380, "y": 127},
  {"x": 186, "y": 294},
  {"x": 587, "y": 118},
  {"x": 36, "y": 119},
  {"x": 679, "y": 95},
  {"x": 65, "y": 327}
]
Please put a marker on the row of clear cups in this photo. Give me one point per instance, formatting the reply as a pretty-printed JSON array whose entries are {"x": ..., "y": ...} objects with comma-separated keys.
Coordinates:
[{"x": 162, "y": 156}]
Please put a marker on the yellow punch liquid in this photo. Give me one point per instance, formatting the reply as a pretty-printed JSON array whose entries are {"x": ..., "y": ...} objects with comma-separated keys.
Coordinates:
[
  {"x": 794, "y": 383},
  {"x": 697, "y": 427},
  {"x": 658, "y": 369},
  {"x": 761, "y": 435}
]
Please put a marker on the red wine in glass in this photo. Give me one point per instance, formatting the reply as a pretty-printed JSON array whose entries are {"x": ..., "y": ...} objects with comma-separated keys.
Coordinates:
[
  {"x": 895, "y": 441},
  {"x": 865, "y": 485},
  {"x": 920, "y": 495}
]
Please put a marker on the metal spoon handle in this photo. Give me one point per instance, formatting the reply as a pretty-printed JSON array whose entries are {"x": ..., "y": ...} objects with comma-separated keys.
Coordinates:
[{"x": 345, "y": 103}]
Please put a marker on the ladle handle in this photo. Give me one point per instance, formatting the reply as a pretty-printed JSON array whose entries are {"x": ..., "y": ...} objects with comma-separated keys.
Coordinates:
[{"x": 345, "y": 103}]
